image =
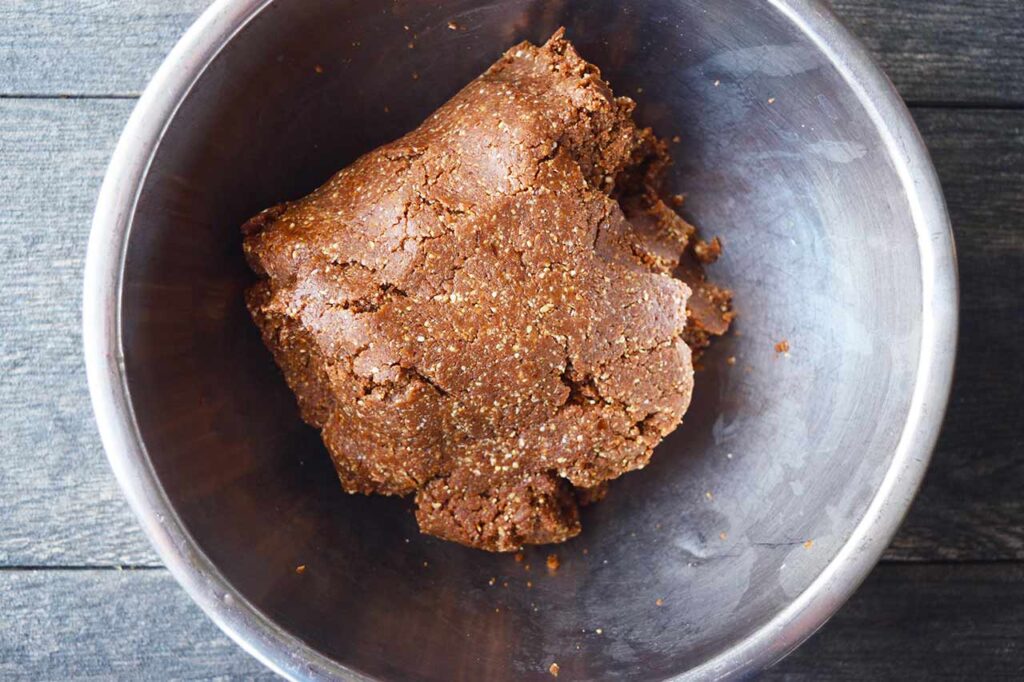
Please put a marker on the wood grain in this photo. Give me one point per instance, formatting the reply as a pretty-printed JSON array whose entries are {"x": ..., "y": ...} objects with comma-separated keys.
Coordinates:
[
  {"x": 954, "y": 622},
  {"x": 952, "y": 51},
  {"x": 59, "y": 504},
  {"x": 103, "y": 624},
  {"x": 88, "y": 47}
]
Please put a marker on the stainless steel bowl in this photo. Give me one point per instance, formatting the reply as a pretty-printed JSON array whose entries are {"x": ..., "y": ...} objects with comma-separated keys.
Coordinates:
[{"x": 756, "y": 519}]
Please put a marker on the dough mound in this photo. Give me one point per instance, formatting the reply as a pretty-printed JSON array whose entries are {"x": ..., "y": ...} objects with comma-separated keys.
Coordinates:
[{"x": 483, "y": 313}]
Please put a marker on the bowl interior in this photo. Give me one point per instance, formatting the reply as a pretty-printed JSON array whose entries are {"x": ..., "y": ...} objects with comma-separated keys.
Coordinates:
[{"x": 740, "y": 509}]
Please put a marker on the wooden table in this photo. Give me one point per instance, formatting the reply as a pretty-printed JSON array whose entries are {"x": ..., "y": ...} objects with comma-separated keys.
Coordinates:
[{"x": 82, "y": 593}]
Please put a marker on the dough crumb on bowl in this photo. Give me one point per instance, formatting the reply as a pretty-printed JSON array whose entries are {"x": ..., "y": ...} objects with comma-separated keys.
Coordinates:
[{"x": 496, "y": 313}]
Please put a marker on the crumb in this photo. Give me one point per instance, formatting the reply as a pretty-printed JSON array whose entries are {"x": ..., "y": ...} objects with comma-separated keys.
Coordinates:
[
  {"x": 586, "y": 551},
  {"x": 599, "y": 631},
  {"x": 676, "y": 139},
  {"x": 716, "y": 83},
  {"x": 529, "y": 585},
  {"x": 415, "y": 76},
  {"x": 505, "y": 584},
  {"x": 553, "y": 669},
  {"x": 731, "y": 360},
  {"x": 723, "y": 535},
  {"x": 497, "y": 610},
  {"x": 386, "y": 109},
  {"x": 426, "y": 565},
  {"x": 782, "y": 346},
  {"x": 640, "y": 91},
  {"x": 453, "y": 26},
  {"x": 707, "y": 252},
  {"x": 728, "y": 455},
  {"x": 553, "y": 563},
  {"x": 659, "y": 602},
  {"x": 809, "y": 544},
  {"x": 318, "y": 68},
  {"x": 519, "y": 557},
  {"x": 300, "y": 569},
  {"x": 411, "y": 45},
  {"x": 709, "y": 495},
  {"x": 526, "y": 567},
  {"x": 492, "y": 581},
  {"x": 771, "y": 100},
  {"x": 678, "y": 200}
]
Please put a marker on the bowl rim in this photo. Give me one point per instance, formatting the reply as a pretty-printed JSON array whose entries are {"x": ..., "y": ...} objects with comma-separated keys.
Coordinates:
[{"x": 288, "y": 655}]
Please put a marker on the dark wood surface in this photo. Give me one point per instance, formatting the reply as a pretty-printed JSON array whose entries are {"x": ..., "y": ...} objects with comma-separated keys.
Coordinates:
[
  {"x": 948, "y": 601},
  {"x": 962, "y": 52},
  {"x": 951, "y": 621}
]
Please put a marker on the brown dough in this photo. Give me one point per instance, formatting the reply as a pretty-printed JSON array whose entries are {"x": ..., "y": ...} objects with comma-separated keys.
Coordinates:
[{"x": 468, "y": 314}]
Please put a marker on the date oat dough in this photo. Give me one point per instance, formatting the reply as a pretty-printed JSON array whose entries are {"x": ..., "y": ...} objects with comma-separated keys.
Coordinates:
[{"x": 490, "y": 313}]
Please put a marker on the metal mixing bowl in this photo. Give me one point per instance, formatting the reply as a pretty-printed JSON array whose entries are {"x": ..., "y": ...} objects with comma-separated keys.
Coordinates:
[{"x": 755, "y": 520}]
